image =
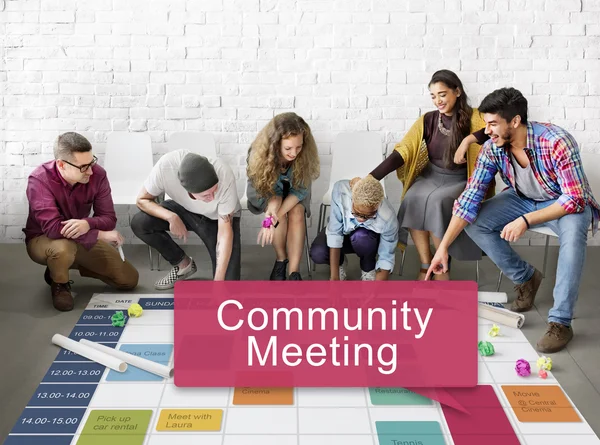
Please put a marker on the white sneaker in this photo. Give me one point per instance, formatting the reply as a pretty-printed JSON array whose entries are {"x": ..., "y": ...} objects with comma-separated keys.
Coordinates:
[
  {"x": 176, "y": 274},
  {"x": 367, "y": 276},
  {"x": 343, "y": 271}
]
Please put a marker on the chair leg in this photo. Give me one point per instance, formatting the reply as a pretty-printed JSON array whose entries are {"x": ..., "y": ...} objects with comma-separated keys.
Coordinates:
[
  {"x": 477, "y": 272},
  {"x": 499, "y": 282},
  {"x": 150, "y": 258},
  {"x": 308, "y": 265},
  {"x": 546, "y": 255},
  {"x": 321, "y": 207},
  {"x": 401, "y": 268},
  {"x": 320, "y": 226}
]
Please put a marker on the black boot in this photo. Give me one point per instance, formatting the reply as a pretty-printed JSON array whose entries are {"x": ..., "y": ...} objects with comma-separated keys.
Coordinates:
[{"x": 279, "y": 271}]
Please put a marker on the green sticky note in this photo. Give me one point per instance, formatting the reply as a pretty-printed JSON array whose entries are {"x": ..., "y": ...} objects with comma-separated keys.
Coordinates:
[
  {"x": 125, "y": 427},
  {"x": 397, "y": 396},
  {"x": 422, "y": 433}
]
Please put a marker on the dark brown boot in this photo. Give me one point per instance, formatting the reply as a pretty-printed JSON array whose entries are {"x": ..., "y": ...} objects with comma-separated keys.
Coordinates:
[
  {"x": 526, "y": 293},
  {"x": 62, "y": 299},
  {"x": 555, "y": 339}
]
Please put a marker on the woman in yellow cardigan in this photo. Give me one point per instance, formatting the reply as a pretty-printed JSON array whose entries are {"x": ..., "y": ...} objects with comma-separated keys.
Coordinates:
[{"x": 430, "y": 163}]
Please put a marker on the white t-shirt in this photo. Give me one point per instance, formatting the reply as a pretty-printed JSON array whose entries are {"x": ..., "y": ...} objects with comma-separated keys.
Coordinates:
[{"x": 164, "y": 179}]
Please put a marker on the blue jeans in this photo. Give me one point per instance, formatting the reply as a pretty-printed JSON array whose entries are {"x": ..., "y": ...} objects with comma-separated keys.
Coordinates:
[{"x": 572, "y": 232}]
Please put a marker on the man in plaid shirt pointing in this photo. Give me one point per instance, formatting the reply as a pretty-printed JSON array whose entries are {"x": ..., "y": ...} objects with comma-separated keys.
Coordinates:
[{"x": 541, "y": 164}]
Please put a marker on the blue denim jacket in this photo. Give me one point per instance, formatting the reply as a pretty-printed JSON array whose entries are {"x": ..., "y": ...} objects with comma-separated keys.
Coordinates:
[
  {"x": 257, "y": 204},
  {"x": 287, "y": 177},
  {"x": 342, "y": 222}
]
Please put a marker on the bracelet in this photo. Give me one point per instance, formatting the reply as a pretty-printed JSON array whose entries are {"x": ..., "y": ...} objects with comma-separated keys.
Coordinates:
[
  {"x": 526, "y": 222},
  {"x": 268, "y": 222}
]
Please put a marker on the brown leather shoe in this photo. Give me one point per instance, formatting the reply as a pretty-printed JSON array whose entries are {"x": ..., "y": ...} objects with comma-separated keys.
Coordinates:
[
  {"x": 62, "y": 299},
  {"x": 555, "y": 339},
  {"x": 526, "y": 293}
]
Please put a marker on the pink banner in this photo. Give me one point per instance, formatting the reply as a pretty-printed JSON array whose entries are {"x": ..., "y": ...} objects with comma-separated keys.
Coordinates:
[{"x": 326, "y": 334}]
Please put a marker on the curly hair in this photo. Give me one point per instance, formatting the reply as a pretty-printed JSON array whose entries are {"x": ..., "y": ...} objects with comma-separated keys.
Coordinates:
[
  {"x": 367, "y": 192},
  {"x": 264, "y": 159}
]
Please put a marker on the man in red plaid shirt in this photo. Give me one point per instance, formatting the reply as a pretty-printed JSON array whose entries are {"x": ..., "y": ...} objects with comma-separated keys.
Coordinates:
[{"x": 547, "y": 187}]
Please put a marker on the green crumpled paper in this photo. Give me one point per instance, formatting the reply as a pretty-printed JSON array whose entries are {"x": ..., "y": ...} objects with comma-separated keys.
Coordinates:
[
  {"x": 118, "y": 319},
  {"x": 486, "y": 348}
]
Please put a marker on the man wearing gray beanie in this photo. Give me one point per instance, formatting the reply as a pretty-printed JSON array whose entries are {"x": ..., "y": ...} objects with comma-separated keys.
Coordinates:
[{"x": 200, "y": 196}]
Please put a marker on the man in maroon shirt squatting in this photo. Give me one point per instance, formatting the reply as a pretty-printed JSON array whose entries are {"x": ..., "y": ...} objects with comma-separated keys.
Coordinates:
[{"x": 61, "y": 234}]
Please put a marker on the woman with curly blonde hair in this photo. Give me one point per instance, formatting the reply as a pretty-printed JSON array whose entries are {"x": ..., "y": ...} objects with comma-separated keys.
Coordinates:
[
  {"x": 282, "y": 164},
  {"x": 363, "y": 222}
]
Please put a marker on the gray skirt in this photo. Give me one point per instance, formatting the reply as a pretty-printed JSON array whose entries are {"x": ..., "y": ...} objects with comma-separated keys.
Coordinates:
[{"x": 427, "y": 206}]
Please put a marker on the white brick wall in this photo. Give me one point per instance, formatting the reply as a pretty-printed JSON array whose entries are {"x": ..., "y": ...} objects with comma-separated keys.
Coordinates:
[{"x": 227, "y": 66}]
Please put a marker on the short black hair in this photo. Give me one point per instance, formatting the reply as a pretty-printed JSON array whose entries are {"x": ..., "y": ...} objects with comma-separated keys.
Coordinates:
[
  {"x": 507, "y": 102},
  {"x": 68, "y": 143}
]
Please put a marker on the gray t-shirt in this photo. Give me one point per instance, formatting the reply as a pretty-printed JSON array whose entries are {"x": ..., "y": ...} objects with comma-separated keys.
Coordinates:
[{"x": 527, "y": 183}]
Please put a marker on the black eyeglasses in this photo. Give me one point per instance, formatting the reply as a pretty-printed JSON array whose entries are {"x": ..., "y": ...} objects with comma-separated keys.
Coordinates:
[{"x": 83, "y": 168}]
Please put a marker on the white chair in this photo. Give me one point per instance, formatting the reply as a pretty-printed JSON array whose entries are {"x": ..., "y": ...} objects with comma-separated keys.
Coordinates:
[
  {"x": 201, "y": 143},
  {"x": 128, "y": 162},
  {"x": 353, "y": 154},
  {"x": 590, "y": 162}
]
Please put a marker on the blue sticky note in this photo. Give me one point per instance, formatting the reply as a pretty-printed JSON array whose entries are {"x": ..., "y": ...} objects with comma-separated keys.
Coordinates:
[{"x": 159, "y": 353}]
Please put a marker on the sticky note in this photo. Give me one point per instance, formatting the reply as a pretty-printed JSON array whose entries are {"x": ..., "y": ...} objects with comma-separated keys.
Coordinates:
[
  {"x": 190, "y": 420},
  {"x": 263, "y": 396},
  {"x": 540, "y": 403}
]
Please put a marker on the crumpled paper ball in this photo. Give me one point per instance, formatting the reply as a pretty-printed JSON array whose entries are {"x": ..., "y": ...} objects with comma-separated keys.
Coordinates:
[
  {"x": 494, "y": 331},
  {"x": 135, "y": 310},
  {"x": 118, "y": 319},
  {"x": 543, "y": 374},
  {"x": 523, "y": 368},
  {"x": 486, "y": 348},
  {"x": 544, "y": 363}
]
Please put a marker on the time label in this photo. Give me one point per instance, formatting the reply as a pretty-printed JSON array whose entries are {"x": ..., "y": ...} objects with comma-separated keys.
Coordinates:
[
  {"x": 74, "y": 372},
  {"x": 45, "y": 421},
  {"x": 62, "y": 395},
  {"x": 96, "y": 333}
]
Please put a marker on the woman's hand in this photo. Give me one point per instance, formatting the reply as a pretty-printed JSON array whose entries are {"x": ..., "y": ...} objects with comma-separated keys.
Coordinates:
[{"x": 460, "y": 157}]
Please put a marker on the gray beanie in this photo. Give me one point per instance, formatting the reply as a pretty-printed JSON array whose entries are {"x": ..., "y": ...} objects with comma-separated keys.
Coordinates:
[{"x": 197, "y": 174}]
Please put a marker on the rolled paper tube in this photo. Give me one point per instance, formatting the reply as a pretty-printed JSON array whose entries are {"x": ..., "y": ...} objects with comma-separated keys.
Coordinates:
[
  {"x": 501, "y": 316},
  {"x": 138, "y": 362},
  {"x": 95, "y": 355}
]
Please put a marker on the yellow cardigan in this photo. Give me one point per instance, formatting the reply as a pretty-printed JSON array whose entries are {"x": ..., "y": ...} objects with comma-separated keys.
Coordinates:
[{"x": 413, "y": 150}]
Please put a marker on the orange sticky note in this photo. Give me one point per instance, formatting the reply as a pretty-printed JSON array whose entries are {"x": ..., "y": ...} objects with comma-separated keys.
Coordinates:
[
  {"x": 540, "y": 403},
  {"x": 263, "y": 396}
]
